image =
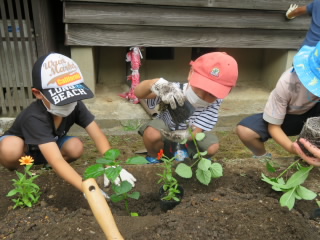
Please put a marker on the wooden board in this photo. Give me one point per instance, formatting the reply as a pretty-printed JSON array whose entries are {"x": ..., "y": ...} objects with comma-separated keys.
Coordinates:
[{"x": 121, "y": 35}]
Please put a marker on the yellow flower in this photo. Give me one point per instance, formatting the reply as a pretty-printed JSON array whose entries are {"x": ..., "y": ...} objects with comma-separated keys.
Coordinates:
[{"x": 26, "y": 160}]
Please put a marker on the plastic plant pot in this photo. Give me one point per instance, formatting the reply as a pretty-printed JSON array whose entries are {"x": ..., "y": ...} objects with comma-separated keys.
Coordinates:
[
  {"x": 166, "y": 205},
  {"x": 310, "y": 132}
]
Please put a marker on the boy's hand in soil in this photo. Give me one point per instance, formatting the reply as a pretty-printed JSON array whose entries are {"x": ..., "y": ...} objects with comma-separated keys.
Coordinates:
[
  {"x": 168, "y": 93},
  {"x": 123, "y": 176},
  {"x": 176, "y": 136}
]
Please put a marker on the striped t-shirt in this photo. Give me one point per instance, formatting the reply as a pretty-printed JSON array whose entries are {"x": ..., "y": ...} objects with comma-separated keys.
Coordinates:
[{"x": 203, "y": 117}]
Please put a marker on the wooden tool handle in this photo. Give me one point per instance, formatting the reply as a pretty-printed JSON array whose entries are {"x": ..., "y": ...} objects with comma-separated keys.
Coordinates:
[{"x": 100, "y": 209}]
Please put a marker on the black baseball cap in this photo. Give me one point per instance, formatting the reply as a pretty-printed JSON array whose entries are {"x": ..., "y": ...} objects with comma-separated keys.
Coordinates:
[{"x": 59, "y": 79}]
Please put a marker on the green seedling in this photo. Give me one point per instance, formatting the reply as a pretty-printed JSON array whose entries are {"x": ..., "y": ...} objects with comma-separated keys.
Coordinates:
[
  {"x": 122, "y": 192},
  {"x": 170, "y": 183},
  {"x": 27, "y": 192},
  {"x": 205, "y": 169},
  {"x": 292, "y": 188}
]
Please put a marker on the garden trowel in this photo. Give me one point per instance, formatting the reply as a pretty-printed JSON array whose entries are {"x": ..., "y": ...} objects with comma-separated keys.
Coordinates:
[{"x": 100, "y": 209}]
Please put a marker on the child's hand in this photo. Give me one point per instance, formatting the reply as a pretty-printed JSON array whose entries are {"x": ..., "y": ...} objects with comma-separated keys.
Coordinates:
[
  {"x": 314, "y": 161},
  {"x": 168, "y": 93},
  {"x": 290, "y": 10}
]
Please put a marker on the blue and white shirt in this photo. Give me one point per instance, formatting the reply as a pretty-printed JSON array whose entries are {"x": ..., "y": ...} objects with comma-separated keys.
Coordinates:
[{"x": 204, "y": 117}]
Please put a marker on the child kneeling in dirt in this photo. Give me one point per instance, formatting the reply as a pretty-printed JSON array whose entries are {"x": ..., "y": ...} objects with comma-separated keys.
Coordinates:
[
  {"x": 211, "y": 78},
  {"x": 41, "y": 129},
  {"x": 295, "y": 98}
]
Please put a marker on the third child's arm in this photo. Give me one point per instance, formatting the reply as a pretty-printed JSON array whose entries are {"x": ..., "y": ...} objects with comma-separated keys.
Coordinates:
[{"x": 281, "y": 138}]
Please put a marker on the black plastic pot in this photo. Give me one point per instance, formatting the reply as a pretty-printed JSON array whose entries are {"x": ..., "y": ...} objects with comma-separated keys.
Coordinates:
[{"x": 166, "y": 205}]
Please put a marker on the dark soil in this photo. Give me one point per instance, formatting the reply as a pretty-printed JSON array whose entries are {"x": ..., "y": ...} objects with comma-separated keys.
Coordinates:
[{"x": 236, "y": 206}]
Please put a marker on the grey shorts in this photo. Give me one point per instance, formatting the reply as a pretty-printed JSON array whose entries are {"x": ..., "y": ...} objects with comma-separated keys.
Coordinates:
[{"x": 203, "y": 145}]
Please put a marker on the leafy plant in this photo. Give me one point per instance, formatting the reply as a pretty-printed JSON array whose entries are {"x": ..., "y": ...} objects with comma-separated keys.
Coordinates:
[
  {"x": 121, "y": 191},
  {"x": 28, "y": 193},
  {"x": 206, "y": 170},
  {"x": 170, "y": 183},
  {"x": 292, "y": 188}
]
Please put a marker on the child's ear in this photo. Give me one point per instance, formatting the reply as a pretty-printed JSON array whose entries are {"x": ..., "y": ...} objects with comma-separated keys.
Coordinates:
[{"x": 37, "y": 93}]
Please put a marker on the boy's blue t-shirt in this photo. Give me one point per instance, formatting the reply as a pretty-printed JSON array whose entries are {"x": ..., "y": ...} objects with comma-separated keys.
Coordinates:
[{"x": 313, "y": 34}]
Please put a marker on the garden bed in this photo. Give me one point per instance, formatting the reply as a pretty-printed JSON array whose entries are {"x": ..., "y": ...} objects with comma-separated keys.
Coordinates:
[{"x": 236, "y": 206}]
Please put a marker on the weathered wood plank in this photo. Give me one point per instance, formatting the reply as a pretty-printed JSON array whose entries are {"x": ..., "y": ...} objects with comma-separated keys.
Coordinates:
[
  {"x": 240, "y": 4},
  {"x": 118, "y": 35},
  {"x": 100, "y": 13}
]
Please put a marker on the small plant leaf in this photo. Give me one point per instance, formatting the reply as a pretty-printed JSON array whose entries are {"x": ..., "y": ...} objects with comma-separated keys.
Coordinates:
[
  {"x": 20, "y": 175},
  {"x": 184, "y": 170},
  {"x": 288, "y": 199},
  {"x": 134, "y": 195},
  {"x": 216, "y": 170},
  {"x": 113, "y": 172},
  {"x": 298, "y": 177},
  {"x": 124, "y": 187},
  {"x": 197, "y": 155},
  {"x": 105, "y": 161},
  {"x": 137, "y": 160},
  {"x": 203, "y": 153},
  {"x": 305, "y": 193},
  {"x": 134, "y": 214},
  {"x": 272, "y": 181},
  {"x": 270, "y": 168},
  {"x": 94, "y": 171},
  {"x": 117, "y": 198},
  {"x": 203, "y": 176},
  {"x": 204, "y": 164},
  {"x": 112, "y": 154},
  {"x": 200, "y": 136},
  {"x": 296, "y": 195},
  {"x": 12, "y": 192}
]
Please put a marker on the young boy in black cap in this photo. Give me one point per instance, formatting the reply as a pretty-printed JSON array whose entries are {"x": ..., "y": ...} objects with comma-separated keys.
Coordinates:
[{"x": 41, "y": 129}]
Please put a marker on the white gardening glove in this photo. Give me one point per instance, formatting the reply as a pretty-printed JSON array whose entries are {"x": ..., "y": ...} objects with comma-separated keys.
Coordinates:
[
  {"x": 176, "y": 136},
  {"x": 291, "y": 8},
  {"x": 123, "y": 176},
  {"x": 168, "y": 92}
]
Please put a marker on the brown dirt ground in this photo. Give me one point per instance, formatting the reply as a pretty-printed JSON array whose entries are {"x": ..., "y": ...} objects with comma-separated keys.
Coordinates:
[{"x": 236, "y": 206}]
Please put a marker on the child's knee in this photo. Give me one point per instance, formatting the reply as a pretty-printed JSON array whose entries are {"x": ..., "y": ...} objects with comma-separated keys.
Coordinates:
[
  {"x": 244, "y": 132},
  {"x": 72, "y": 149},
  {"x": 213, "y": 149}
]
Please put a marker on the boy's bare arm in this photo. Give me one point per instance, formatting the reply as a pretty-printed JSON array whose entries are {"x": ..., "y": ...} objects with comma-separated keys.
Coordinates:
[
  {"x": 53, "y": 155},
  {"x": 143, "y": 89},
  {"x": 296, "y": 12},
  {"x": 98, "y": 137},
  {"x": 281, "y": 138}
]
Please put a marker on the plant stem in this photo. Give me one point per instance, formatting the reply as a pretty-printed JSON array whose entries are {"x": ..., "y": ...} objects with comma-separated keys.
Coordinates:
[
  {"x": 286, "y": 170},
  {"x": 195, "y": 143}
]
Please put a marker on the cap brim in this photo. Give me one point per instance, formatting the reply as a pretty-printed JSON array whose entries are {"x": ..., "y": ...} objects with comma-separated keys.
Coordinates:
[
  {"x": 214, "y": 88},
  {"x": 66, "y": 95},
  {"x": 302, "y": 67}
]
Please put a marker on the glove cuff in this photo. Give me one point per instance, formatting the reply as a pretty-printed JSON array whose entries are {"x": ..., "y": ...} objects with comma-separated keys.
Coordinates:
[
  {"x": 157, "y": 84},
  {"x": 161, "y": 81}
]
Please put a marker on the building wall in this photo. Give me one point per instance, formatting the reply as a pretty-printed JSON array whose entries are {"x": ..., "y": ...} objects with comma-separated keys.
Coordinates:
[
  {"x": 275, "y": 61},
  {"x": 112, "y": 66}
]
